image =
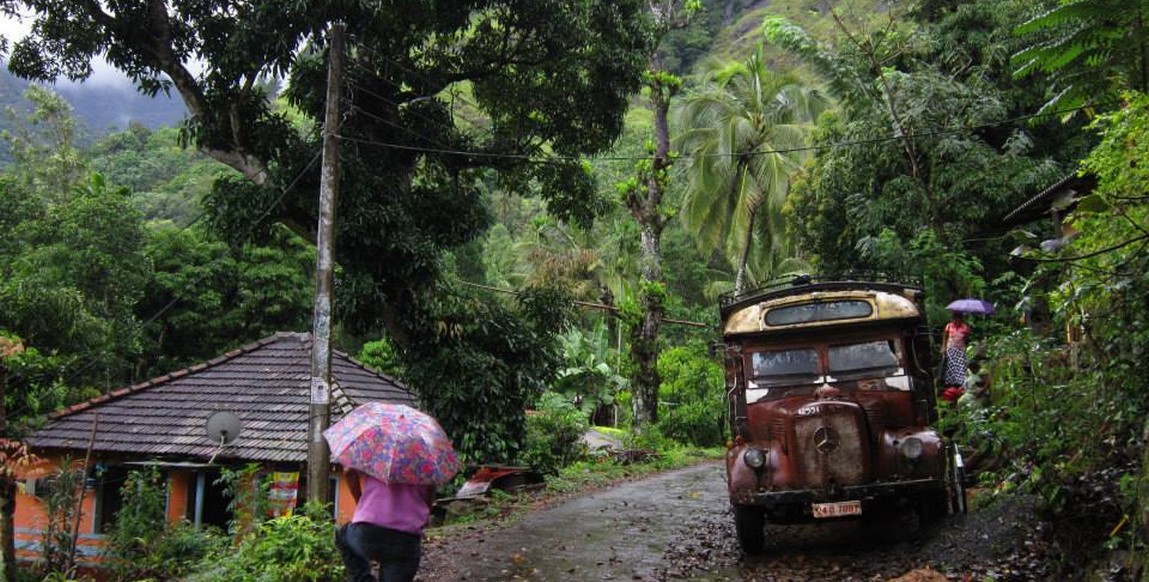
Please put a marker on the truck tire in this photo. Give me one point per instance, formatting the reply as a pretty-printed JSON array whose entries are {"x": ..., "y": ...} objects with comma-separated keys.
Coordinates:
[{"x": 750, "y": 524}]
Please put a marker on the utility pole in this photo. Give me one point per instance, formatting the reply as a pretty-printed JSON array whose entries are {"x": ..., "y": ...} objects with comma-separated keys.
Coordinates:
[{"x": 318, "y": 456}]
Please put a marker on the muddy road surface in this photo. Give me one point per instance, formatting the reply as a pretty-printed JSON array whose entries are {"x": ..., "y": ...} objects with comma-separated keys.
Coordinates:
[{"x": 678, "y": 526}]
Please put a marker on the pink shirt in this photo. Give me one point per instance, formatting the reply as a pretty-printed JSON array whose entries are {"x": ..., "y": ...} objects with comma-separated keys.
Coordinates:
[
  {"x": 395, "y": 505},
  {"x": 957, "y": 331}
]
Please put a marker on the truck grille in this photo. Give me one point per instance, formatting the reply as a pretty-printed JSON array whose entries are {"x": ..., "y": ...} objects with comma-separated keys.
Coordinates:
[{"x": 831, "y": 448}]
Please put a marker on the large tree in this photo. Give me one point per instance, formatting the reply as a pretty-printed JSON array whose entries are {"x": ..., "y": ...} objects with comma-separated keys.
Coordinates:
[
  {"x": 439, "y": 96},
  {"x": 745, "y": 130},
  {"x": 644, "y": 197},
  {"x": 1088, "y": 52},
  {"x": 928, "y": 150}
]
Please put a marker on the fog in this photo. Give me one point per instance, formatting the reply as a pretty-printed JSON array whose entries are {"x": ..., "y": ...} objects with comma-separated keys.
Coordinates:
[{"x": 107, "y": 99}]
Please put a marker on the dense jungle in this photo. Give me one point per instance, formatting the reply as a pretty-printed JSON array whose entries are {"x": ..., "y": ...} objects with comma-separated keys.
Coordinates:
[{"x": 541, "y": 202}]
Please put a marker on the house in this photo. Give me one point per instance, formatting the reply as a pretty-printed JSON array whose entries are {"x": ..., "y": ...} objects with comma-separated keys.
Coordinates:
[
  {"x": 1054, "y": 204},
  {"x": 261, "y": 391}
]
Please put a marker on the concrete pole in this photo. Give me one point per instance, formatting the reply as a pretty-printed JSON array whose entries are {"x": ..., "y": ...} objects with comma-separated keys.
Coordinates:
[{"x": 318, "y": 456}]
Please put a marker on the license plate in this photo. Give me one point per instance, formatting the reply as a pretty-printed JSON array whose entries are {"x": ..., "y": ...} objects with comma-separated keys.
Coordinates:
[{"x": 837, "y": 509}]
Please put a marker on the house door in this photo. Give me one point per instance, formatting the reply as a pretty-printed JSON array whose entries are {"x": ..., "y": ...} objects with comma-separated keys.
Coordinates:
[{"x": 206, "y": 502}]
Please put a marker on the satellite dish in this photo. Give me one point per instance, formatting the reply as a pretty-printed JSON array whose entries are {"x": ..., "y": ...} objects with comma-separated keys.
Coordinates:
[{"x": 223, "y": 427}]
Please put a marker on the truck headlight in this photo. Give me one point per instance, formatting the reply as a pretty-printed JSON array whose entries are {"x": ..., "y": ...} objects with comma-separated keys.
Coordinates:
[
  {"x": 911, "y": 448},
  {"x": 754, "y": 458}
]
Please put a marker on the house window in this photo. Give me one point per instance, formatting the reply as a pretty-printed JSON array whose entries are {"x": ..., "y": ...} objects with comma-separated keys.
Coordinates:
[{"x": 108, "y": 482}]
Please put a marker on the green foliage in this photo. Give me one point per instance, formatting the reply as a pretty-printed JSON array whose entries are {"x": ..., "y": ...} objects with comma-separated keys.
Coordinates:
[
  {"x": 141, "y": 544},
  {"x": 205, "y": 297},
  {"x": 72, "y": 271},
  {"x": 1088, "y": 51},
  {"x": 46, "y": 158},
  {"x": 929, "y": 148},
  {"x": 745, "y": 129},
  {"x": 382, "y": 355},
  {"x": 1073, "y": 409},
  {"x": 285, "y": 549},
  {"x": 168, "y": 180},
  {"x": 554, "y": 434},
  {"x": 248, "y": 499},
  {"x": 61, "y": 505},
  {"x": 34, "y": 388},
  {"x": 483, "y": 363},
  {"x": 691, "y": 397},
  {"x": 588, "y": 379}
]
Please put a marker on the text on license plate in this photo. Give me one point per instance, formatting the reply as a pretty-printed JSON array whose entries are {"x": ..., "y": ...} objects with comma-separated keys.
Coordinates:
[{"x": 837, "y": 509}]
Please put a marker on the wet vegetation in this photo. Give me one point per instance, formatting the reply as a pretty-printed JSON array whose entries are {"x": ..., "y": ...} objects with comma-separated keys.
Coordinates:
[{"x": 927, "y": 141}]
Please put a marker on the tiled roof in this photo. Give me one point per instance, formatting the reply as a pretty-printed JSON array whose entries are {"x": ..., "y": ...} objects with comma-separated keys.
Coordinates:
[{"x": 266, "y": 384}]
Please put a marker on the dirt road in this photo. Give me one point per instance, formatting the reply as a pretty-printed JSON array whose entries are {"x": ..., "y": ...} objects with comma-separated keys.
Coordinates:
[{"x": 677, "y": 526}]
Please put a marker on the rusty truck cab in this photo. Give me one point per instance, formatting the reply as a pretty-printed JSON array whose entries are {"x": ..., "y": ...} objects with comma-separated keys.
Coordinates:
[{"x": 831, "y": 403}]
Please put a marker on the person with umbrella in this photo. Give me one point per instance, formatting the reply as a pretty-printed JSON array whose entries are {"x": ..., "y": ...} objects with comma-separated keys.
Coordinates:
[
  {"x": 954, "y": 340},
  {"x": 393, "y": 457}
]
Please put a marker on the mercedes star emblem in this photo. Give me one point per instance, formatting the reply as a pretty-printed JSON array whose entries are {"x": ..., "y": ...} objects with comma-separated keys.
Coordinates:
[{"x": 826, "y": 440}]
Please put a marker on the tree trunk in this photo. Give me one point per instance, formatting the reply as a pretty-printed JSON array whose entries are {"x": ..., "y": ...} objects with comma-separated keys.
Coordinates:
[
  {"x": 7, "y": 496},
  {"x": 646, "y": 209},
  {"x": 8, "y": 528},
  {"x": 644, "y": 337}
]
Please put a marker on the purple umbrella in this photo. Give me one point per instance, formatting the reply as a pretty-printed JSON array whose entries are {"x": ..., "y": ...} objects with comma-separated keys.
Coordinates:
[{"x": 980, "y": 306}]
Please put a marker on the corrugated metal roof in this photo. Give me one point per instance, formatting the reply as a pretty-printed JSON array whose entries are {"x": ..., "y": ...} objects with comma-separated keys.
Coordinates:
[
  {"x": 1038, "y": 206},
  {"x": 266, "y": 384}
]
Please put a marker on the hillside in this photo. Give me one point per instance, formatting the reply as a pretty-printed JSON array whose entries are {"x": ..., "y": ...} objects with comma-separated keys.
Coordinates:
[{"x": 100, "y": 108}]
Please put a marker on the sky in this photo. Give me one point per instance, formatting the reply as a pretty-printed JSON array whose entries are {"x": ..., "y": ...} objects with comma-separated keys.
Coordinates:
[{"x": 103, "y": 74}]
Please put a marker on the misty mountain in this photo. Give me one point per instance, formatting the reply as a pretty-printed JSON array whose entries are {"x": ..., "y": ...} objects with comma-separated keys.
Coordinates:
[
  {"x": 107, "y": 108},
  {"x": 101, "y": 108}
]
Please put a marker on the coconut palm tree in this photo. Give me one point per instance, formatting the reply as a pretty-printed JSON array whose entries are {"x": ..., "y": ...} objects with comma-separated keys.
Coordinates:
[{"x": 743, "y": 132}]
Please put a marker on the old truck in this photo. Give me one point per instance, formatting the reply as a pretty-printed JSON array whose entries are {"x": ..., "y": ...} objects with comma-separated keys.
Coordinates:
[{"x": 831, "y": 406}]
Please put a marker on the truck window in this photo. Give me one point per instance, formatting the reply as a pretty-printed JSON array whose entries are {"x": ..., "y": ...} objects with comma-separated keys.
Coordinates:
[
  {"x": 785, "y": 367},
  {"x": 864, "y": 360},
  {"x": 819, "y": 311}
]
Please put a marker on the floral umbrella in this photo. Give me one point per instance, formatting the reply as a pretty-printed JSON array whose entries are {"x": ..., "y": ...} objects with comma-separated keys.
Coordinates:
[
  {"x": 980, "y": 306},
  {"x": 394, "y": 443}
]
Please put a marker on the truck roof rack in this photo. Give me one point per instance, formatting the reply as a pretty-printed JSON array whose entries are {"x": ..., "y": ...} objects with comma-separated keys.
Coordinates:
[{"x": 810, "y": 282}]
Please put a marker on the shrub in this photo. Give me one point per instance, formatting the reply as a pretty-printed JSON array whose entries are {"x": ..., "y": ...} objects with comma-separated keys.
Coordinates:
[
  {"x": 698, "y": 423},
  {"x": 135, "y": 550},
  {"x": 61, "y": 505},
  {"x": 285, "y": 549},
  {"x": 554, "y": 434},
  {"x": 691, "y": 403}
]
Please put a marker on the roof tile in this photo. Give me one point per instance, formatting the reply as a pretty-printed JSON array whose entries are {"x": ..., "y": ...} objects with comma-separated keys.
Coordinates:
[{"x": 266, "y": 384}]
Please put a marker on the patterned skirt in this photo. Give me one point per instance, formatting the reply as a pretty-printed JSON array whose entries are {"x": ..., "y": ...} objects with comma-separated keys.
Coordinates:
[{"x": 956, "y": 366}]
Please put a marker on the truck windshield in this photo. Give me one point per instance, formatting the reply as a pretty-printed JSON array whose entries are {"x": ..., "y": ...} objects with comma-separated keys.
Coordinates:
[
  {"x": 785, "y": 367},
  {"x": 869, "y": 359}
]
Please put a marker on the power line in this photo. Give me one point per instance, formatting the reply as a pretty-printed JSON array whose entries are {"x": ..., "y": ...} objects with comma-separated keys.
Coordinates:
[
  {"x": 820, "y": 147},
  {"x": 588, "y": 304}
]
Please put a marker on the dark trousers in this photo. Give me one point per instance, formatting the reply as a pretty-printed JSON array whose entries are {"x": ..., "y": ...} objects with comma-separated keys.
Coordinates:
[{"x": 397, "y": 552}]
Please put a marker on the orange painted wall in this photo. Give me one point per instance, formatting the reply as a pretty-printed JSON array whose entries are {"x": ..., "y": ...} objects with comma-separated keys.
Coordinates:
[
  {"x": 178, "y": 484},
  {"x": 344, "y": 504},
  {"x": 32, "y": 516}
]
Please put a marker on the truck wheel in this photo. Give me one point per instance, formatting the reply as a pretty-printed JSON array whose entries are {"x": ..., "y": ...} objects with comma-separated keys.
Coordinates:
[{"x": 750, "y": 523}]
